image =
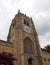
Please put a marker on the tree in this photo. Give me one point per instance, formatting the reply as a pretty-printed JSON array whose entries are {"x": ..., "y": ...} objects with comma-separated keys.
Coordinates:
[
  {"x": 47, "y": 48},
  {"x": 7, "y": 58}
]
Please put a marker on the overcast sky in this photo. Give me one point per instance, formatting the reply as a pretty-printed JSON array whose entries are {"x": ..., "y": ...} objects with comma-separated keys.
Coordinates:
[{"x": 39, "y": 10}]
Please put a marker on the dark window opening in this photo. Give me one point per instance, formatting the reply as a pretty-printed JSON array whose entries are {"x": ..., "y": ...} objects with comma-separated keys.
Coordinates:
[
  {"x": 29, "y": 61},
  {"x": 26, "y": 23},
  {"x": 13, "y": 25},
  {"x": 44, "y": 59},
  {"x": 49, "y": 60}
]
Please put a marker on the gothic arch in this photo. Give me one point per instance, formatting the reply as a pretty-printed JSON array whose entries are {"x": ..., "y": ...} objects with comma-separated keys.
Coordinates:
[
  {"x": 28, "y": 45},
  {"x": 28, "y": 39}
]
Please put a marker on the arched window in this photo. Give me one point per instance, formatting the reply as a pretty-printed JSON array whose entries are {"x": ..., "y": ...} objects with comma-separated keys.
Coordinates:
[
  {"x": 30, "y": 61},
  {"x": 27, "y": 45}
]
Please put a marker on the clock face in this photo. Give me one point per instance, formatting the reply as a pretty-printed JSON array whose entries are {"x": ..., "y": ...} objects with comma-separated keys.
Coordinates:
[{"x": 27, "y": 29}]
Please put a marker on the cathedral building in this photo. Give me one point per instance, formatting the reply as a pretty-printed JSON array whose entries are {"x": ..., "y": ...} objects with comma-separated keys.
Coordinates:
[{"x": 23, "y": 43}]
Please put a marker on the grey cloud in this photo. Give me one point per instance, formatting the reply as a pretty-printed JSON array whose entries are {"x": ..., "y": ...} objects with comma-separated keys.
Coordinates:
[
  {"x": 42, "y": 5},
  {"x": 44, "y": 28},
  {"x": 44, "y": 39},
  {"x": 15, "y": 1},
  {"x": 48, "y": 38}
]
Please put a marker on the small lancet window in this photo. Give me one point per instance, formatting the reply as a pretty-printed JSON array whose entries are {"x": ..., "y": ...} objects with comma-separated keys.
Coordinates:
[
  {"x": 13, "y": 25},
  {"x": 26, "y": 23}
]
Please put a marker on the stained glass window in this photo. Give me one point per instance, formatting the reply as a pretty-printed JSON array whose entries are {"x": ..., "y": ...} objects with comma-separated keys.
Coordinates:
[{"x": 27, "y": 46}]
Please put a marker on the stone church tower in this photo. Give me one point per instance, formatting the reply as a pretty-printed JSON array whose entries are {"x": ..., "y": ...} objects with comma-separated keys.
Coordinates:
[{"x": 24, "y": 37}]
